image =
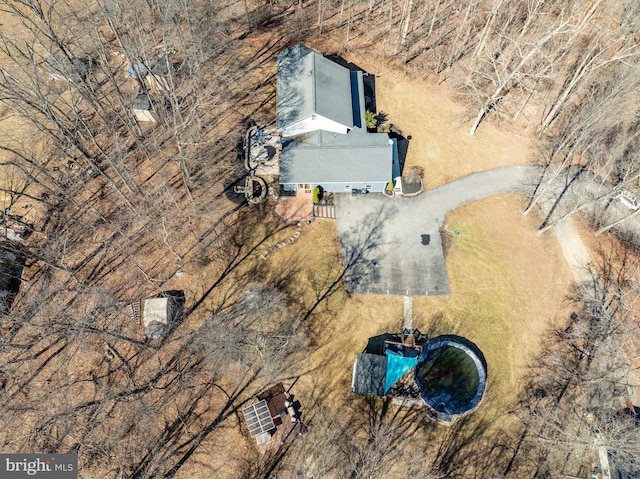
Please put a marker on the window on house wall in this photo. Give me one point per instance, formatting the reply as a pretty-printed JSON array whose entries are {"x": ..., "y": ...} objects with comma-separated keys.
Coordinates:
[
  {"x": 368, "y": 187},
  {"x": 347, "y": 187}
]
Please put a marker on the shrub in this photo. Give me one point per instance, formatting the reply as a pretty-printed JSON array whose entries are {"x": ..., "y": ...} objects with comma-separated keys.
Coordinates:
[
  {"x": 317, "y": 194},
  {"x": 370, "y": 119},
  {"x": 414, "y": 174}
]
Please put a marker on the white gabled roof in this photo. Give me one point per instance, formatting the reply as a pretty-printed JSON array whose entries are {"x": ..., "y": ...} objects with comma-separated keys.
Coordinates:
[{"x": 156, "y": 310}]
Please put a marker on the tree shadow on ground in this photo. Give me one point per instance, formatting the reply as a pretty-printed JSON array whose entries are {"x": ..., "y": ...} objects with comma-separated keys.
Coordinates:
[{"x": 463, "y": 448}]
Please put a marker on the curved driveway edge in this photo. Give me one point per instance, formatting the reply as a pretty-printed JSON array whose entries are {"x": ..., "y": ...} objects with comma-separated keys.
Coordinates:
[{"x": 393, "y": 245}]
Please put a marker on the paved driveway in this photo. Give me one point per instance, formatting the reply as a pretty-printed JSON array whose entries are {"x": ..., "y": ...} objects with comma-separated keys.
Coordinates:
[{"x": 393, "y": 245}]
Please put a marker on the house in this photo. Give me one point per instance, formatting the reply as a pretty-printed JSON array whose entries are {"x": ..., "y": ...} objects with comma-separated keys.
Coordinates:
[
  {"x": 143, "y": 108},
  {"x": 320, "y": 115},
  {"x": 274, "y": 419},
  {"x": 67, "y": 69},
  {"x": 154, "y": 73}
]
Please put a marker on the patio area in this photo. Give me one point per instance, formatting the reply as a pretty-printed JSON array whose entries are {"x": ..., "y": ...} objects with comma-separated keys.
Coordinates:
[
  {"x": 263, "y": 151},
  {"x": 295, "y": 208}
]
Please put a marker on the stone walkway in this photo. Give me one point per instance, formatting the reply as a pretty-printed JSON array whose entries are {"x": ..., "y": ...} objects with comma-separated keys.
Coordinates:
[{"x": 408, "y": 314}]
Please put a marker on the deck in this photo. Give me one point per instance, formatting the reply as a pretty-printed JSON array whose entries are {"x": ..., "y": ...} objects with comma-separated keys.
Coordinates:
[
  {"x": 262, "y": 156},
  {"x": 287, "y": 428}
]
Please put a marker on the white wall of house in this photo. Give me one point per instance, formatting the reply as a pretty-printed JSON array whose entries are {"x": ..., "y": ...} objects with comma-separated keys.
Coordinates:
[
  {"x": 314, "y": 123},
  {"x": 145, "y": 115},
  {"x": 371, "y": 186}
]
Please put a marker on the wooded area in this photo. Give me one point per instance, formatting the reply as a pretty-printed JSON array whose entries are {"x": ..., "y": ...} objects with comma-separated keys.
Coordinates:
[{"x": 118, "y": 209}]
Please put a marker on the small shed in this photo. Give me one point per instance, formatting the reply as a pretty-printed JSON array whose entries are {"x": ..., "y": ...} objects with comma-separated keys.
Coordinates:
[
  {"x": 67, "y": 69},
  {"x": 153, "y": 73},
  {"x": 157, "y": 315},
  {"x": 369, "y": 374},
  {"x": 143, "y": 108}
]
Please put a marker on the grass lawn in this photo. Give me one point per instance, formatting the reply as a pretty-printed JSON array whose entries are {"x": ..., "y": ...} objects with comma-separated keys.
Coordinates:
[
  {"x": 508, "y": 287},
  {"x": 440, "y": 142},
  {"x": 508, "y": 283}
]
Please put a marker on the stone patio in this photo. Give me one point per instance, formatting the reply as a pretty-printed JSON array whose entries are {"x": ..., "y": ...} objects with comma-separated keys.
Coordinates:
[{"x": 295, "y": 208}]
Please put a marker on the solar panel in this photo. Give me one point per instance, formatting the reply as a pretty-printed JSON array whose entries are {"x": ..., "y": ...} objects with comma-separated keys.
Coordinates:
[{"x": 258, "y": 418}]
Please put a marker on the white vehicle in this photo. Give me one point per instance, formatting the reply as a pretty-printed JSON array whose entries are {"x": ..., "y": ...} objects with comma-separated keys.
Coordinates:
[{"x": 628, "y": 199}]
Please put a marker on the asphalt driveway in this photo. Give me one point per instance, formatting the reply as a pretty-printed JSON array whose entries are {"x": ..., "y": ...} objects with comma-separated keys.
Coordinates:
[{"x": 393, "y": 245}]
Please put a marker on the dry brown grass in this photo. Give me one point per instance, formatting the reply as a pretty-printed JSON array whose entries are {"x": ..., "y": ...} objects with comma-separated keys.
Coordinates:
[
  {"x": 441, "y": 143},
  {"x": 507, "y": 282},
  {"x": 508, "y": 287}
]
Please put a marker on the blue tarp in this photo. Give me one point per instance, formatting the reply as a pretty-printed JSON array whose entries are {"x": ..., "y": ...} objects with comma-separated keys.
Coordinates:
[{"x": 397, "y": 366}]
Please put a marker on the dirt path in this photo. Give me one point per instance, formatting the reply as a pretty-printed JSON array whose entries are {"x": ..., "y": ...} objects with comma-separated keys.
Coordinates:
[{"x": 573, "y": 249}]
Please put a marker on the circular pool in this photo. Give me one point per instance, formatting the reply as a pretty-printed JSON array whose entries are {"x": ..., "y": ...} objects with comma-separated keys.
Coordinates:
[{"x": 451, "y": 375}]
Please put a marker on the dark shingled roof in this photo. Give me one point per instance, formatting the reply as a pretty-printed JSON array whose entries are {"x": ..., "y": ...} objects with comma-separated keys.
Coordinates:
[
  {"x": 349, "y": 158},
  {"x": 369, "y": 374}
]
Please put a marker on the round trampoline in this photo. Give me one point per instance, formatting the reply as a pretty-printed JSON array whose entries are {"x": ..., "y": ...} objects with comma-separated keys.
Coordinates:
[{"x": 451, "y": 375}]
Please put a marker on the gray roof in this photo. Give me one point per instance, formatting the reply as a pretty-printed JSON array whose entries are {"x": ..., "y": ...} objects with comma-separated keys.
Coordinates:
[
  {"x": 156, "y": 315},
  {"x": 142, "y": 102},
  {"x": 141, "y": 69},
  {"x": 356, "y": 158},
  {"x": 369, "y": 374},
  {"x": 308, "y": 84},
  {"x": 61, "y": 67}
]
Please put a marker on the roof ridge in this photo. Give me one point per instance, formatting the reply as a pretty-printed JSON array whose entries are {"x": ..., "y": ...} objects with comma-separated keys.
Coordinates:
[
  {"x": 342, "y": 147},
  {"x": 313, "y": 83}
]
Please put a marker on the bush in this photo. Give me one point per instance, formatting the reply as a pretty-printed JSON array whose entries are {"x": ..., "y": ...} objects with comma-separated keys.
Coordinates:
[
  {"x": 317, "y": 194},
  {"x": 414, "y": 174},
  {"x": 370, "y": 119}
]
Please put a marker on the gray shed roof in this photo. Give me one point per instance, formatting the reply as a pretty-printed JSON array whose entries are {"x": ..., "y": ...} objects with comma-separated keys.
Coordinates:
[
  {"x": 339, "y": 159},
  {"x": 61, "y": 67},
  {"x": 369, "y": 374},
  {"x": 142, "y": 102},
  {"x": 156, "y": 315},
  {"x": 140, "y": 69},
  {"x": 308, "y": 84}
]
